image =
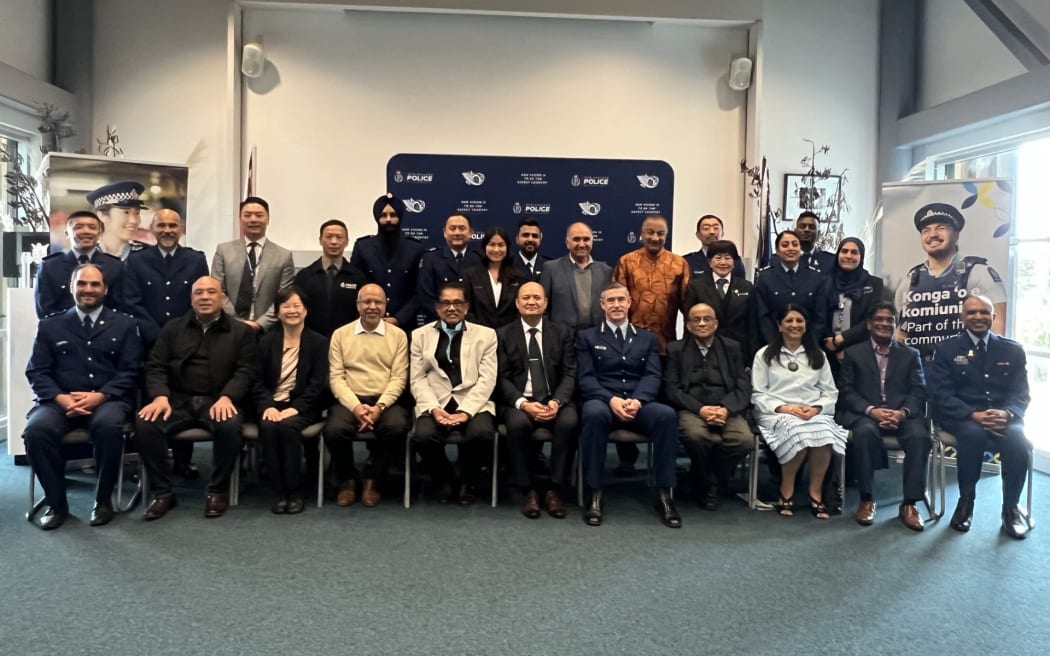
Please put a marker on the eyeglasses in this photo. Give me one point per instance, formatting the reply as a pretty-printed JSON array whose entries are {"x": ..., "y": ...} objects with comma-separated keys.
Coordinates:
[
  {"x": 452, "y": 304},
  {"x": 702, "y": 320}
]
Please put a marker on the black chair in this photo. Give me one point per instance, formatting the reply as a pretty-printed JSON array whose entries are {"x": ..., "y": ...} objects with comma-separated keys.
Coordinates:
[{"x": 455, "y": 437}]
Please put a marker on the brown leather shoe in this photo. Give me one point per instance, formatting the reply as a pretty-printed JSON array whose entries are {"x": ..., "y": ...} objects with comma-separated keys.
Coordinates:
[
  {"x": 370, "y": 495},
  {"x": 215, "y": 505},
  {"x": 347, "y": 494},
  {"x": 865, "y": 513},
  {"x": 159, "y": 507},
  {"x": 531, "y": 506},
  {"x": 909, "y": 515},
  {"x": 555, "y": 507}
]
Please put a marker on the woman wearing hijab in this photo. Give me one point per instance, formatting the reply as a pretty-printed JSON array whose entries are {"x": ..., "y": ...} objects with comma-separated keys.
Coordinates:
[{"x": 857, "y": 292}]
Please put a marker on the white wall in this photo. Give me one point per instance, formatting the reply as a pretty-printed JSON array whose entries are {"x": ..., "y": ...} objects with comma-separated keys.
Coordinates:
[
  {"x": 356, "y": 89},
  {"x": 25, "y": 36}
]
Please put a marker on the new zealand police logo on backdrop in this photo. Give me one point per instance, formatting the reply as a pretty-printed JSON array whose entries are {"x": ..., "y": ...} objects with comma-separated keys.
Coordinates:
[{"x": 497, "y": 191}]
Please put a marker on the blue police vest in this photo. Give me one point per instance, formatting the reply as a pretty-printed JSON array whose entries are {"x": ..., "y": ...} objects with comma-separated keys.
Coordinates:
[{"x": 933, "y": 306}]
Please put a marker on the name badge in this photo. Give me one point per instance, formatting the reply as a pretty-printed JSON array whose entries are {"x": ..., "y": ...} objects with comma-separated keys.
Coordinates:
[{"x": 348, "y": 285}]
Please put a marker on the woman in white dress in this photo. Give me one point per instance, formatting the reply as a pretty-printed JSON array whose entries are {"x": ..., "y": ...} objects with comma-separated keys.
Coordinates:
[{"x": 794, "y": 398}]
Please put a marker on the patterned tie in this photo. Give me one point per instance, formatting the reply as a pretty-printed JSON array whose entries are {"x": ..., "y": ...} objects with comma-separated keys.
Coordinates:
[
  {"x": 722, "y": 282},
  {"x": 540, "y": 390}
]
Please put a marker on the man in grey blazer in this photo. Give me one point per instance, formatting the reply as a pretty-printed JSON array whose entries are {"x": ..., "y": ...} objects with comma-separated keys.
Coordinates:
[
  {"x": 253, "y": 269},
  {"x": 574, "y": 283}
]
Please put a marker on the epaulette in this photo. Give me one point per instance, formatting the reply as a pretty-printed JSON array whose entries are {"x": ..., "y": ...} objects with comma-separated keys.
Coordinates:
[
  {"x": 56, "y": 314},
  {"x": 433, "y": 249},
  {"x": 53, "y": 255},
  {"x": 363, "y": 237},
  {"x": 766, "y": 268},
  {"x": 135, "y": 246},
  {"x": 113, "y": 257}
]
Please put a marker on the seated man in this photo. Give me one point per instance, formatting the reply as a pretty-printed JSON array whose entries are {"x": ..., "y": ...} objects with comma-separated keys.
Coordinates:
[
  {"x": 367, "y": 371},
  {"x": 537, "y": 376},
  {"x": 882, "y": 389},
  {"x": 83, "y": 370},
  {"x": 201, "y": 367},
  {"x": 452, "y": 373},
  {"x": 619, "y": 377},
  {"x": 707, "y": 382},
  {"x": 979, "y": 388}
]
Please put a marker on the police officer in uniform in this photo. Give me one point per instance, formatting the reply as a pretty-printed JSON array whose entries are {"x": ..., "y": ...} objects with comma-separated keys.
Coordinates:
[
  {"x": 979, "y": 387},
  {"x": 932, "y": 292},
  {"x": 789, "y": 280},
  {"x": 120, "y": 209},
  {"x": 83, "y": 371},
  {"x": 709, "y": 229},
  {"x": 391, "y": 260},
  {"x": 446, "y": 264},
  {"x": 51, "y": 292},
  {"x": 330, "y": 283},
  {"x": 807, "y": 227}
]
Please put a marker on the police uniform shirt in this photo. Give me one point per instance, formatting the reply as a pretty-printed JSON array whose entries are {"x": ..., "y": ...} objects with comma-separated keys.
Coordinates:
[
  {"x": 983, "y": 280},
  {"x": 397, "y": 274}
]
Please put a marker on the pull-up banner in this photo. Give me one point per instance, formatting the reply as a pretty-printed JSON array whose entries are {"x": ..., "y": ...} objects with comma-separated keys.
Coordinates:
[{"x": 613, "y": 196}]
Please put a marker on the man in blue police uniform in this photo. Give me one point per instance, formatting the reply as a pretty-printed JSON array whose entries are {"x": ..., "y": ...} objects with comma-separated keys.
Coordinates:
[
  {"x": 807, "y": 226},
  {"x": 618, "y": 369},
  {"x": 330, "y": 282},
  {"x": 51, "y": 292},
  {"x": 979, "y": 387},
  {"x": 529, "y": 262},
  {"x": 391, "y": 260},
  {"x": 930, "y": 295},
  {"x": 446, "y": 264},
  {"x": 709, "y": 229},
  {"x": 120, "y": 209},
  {"x": 157, "y": 279},
  {"x": 83, "y": 371}
]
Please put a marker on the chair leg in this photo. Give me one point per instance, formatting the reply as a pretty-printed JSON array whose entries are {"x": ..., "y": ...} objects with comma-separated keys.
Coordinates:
[
  {"x": 408, "y": 472},
  {"x": 752, "y": 476},
  {"x": 235, "y": 481},
  {"x": 34, "y": 505},
  {"x": 320, "y": 471},
  {"x": 649, "y": 458},
  {"x": 495, "y": 467},
  {"x": 579, "y": 478}
]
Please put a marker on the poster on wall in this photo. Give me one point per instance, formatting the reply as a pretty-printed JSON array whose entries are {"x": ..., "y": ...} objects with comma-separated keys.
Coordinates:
[
  {"x": 612, "y": 195},
  {"x": 932, "y": 272},
  {"x": 137, "y": 189}
]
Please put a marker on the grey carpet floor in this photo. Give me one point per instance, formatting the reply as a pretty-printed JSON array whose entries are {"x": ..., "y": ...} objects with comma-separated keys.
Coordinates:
[{"x": 448, "y": 580}]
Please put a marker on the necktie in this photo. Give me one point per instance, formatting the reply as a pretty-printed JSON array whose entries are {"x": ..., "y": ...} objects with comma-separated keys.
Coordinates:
[
  {"x": 618, "y": 334},
  {"x": 459, "y": 258},
  {"x": 331, "y": 280},
  {"x": 83, "y": 259},
  {"x": 532, "y": 269},
  {"x": 251, "y": 256},
  {"x": 246, "y": 292},
  {"x": 722, "y": 282},
  {"x": 87, "y": 323},
  {"x": 540, "y": 390},
  {"x": 978, "y": 358}
]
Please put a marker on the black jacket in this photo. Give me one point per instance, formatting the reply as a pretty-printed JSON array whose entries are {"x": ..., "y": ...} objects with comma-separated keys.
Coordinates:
[
  {"x": 309, "y": 394},
  {"x": 325, "y": 314},
  {"x": 736, "y": 312},
  {"x": 859, "y": 382},
  {"x": 484, "y": 308},
  {"x": 559, "y": 360},
  {"x": 682, "y": 371}
]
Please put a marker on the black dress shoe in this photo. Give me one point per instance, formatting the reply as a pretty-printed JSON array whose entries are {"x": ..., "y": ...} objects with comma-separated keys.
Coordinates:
[
  {"x": 668, "y": 513},
  {"x": 1015, "y": 523},
  {"x": 710, "y": 499},
  {"x": 444, "y": 494},
  {"x": 962, "y": 518},
  {"x": 52, "y": 519},
  {"x": 279, "y": 506},
  {"x": 593, "y": 514},
  {"x": 102, "y": 513},
  {"x": 159, "y": 506},
  {"x": 466, "y": 496},
  {"x": 295, "y": 505}
]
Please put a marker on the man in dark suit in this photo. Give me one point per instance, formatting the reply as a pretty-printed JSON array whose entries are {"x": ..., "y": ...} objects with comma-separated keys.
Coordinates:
[
  {"x": 707, "y": 382},
  {"x": 391, "y": 260},
  {"x": 330, "y": 283},
  {"x": 444, "y": 265},
  {"x": 201, "y": 367},
  {"x": 729, "y": 294},
  {"x": 807, "y": 226},
  {"x": 573, "y": 283},
  {"x": 709, "y": 229},
  {"x": 529, "y": 262},
  {"x": 619, "y": 377},
  {"x": 51, "y": 292},
  {"x": 537, "y": 377},
  {"x": 882, "y": 389},
  {"x": 979, "y": 388},
  {"x": 83, "y": 371}
]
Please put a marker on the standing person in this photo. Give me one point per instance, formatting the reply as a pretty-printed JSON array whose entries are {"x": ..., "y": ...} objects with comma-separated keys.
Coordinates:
[
  {"x": 529, "y": 262},
  {"x": 931, "y": 294},
  {"x": 856, "y": 292},
  {"x": 290, "y": 394},
  {"x": 330, "y": 283},
  {"x": 709, "y": 229},
  {"x": 979, "y": 388},
  {"x": 120, "y": 209},
  {"x": 657, "y": 280},
  {"x": 537, "y": 378},
  {"x": 447, "y": 264},
  {"x": 51, "y": 293},
  {"x": 201, "y": 368},
  {"x": 573, "y": 283},
  {"x": 807, "y": 227},
  {"x": 83, "y": 371},
  {"x": 618, "y": 367},
  {"x": 251, "y": 270},
  {"x": 730, "y": 295},
  {"x": 368, "y": 373},
  {"x": 391, "y": 260},
  {"x": 794, "y": 394},
  {"x": 492, "y": 286},
  {"x": 788, "y": 281}
]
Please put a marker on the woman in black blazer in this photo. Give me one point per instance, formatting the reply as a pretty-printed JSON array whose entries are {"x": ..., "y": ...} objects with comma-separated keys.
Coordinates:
[
  {"x": 735, "y": 307},
  {"x": 289, "y": 395},
  {"x": 856, "y": 292},
  {"x": 492, "y": 288}
]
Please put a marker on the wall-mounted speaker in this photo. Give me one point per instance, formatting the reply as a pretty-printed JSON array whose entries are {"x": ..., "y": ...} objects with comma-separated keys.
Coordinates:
[
  {"x": 253, "y": 59},
  {"x": 740, "y": 73}
]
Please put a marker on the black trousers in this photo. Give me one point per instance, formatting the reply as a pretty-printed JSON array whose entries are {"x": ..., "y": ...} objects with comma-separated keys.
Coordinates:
[
  {"x": 520, "y": 445},
  {"x": 188, "y": 412},
  {"x": 914, "y": 438},
  {"x": 430, "y": 440},
  {"x": 1014, "y": 456},
  {"x": 341, "y": 428},
  {"x": 282, "y": 447}
]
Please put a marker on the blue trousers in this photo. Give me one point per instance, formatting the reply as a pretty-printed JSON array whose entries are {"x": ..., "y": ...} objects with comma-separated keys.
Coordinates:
[
  {"x": 655, "y": 420},
  {"x": 1014, "y": 454}
]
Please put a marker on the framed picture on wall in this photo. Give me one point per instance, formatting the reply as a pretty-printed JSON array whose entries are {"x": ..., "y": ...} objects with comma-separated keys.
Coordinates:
[{"x": 803, "y": 192}]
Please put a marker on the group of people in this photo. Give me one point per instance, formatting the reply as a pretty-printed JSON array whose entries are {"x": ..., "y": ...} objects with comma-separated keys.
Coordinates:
[{"x": 451, "y": 342}]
